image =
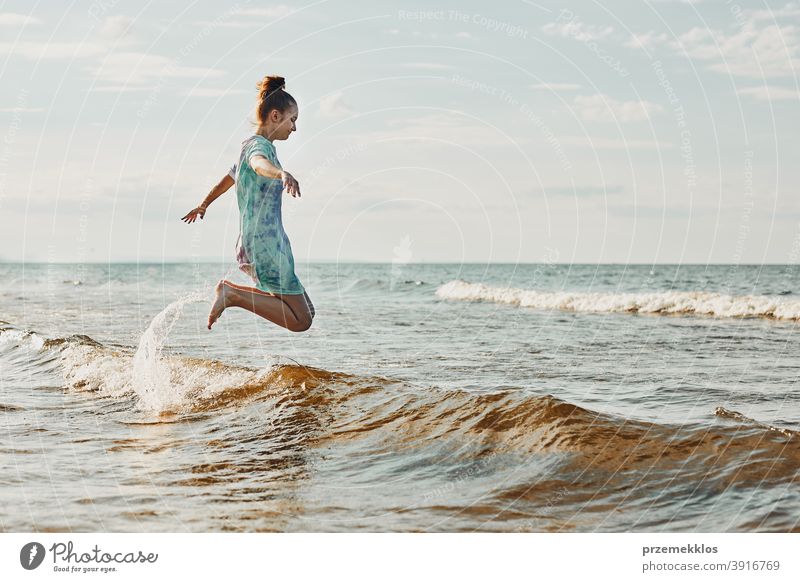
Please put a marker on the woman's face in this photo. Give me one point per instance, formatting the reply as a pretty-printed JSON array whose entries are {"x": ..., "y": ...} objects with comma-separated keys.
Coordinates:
[{"x": 285, "y": 124}]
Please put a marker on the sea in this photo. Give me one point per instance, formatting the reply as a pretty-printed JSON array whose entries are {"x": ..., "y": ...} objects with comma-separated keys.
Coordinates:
[{"x": 424, "y": 398}]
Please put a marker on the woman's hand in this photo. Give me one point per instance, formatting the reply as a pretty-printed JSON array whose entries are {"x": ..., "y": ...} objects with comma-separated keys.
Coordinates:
[
  {"x": 193, "y": 214},
  {"x": 290, "y": 184}
]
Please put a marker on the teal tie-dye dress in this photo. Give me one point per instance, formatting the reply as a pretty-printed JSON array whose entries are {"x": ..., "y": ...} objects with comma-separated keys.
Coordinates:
[{"x": 263, "y": 250}]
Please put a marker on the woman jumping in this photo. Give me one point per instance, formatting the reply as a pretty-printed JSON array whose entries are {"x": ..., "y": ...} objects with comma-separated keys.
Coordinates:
[{"x": 263, "y": 250}]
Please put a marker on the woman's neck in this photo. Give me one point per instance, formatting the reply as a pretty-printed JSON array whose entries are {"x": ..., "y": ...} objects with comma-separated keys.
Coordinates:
[{"x": 264, "y": 131}]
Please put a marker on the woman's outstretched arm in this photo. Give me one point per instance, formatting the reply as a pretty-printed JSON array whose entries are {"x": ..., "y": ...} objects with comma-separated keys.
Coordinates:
[
  {"x": 223, "y": 186},
  {"x": 263, "y": 167}
]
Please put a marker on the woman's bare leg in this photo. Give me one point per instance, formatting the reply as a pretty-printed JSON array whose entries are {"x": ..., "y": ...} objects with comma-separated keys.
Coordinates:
[
  {"x": 310, "y": 307},
  {"x": 294, "y": 312}
]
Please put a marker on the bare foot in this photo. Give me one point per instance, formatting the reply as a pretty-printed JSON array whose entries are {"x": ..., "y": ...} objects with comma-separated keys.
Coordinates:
[{"x": 221, "y": 301}]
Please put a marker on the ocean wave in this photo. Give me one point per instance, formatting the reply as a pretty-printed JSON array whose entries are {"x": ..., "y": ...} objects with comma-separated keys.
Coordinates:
[
  {"x": 193, "y": 384},
  {"x": 661, "y": 303},
  {"x": 367, "y": 284},
  {"x": 322, "y": 406}
]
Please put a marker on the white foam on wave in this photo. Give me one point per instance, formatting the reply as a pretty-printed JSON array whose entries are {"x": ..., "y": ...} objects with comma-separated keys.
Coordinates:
[
  {"x": 161, "y": 382},
  {"x": 22, "y": 339},
  {"x": 171, "y": 382},
  {"x": 97, "y": 369},
  {"x": 665, "y": 302}
]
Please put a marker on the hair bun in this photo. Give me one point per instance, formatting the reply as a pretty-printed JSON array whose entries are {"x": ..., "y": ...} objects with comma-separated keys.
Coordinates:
[
  {"x": 271, "y": 83},
  {"x": 272, "y": 94}
]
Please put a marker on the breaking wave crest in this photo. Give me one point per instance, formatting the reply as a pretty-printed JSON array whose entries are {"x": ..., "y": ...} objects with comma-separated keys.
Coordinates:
[{"x": 663, "y": 303}]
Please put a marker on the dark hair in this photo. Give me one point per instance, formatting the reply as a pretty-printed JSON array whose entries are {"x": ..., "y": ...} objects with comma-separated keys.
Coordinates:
[{"x": 272, "y": 95}]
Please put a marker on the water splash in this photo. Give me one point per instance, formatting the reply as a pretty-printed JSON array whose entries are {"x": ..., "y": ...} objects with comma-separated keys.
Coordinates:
[{"x": 151, "y": 374}]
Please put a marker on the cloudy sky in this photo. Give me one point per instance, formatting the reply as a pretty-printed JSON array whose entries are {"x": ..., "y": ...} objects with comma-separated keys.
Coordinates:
[{"x": 520, "y": 131}]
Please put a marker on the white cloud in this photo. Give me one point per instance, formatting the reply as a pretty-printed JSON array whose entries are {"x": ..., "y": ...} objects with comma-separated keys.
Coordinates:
[
  {"x": 768, "y": 93},
  {"x": 753, "y": 50},
  {"x": 212, "y": 24},
  {"x": 248, "y": 17},
  {"x": 428, "y": 66},
  {"x": 611, "y": 143},
  {"x": 577, "y": 30},
  {"x": 603, "y": 108},
  {"x": 132, "y": 69},
  {"x": 51, "y": 50},
  {"x": 210, "y": 92},
  {"x": 21, "y": 109},
  {"x": 438, "y": 129},
  {"x": 556, "y": 86},
  {"x": 116, "y": 27},
  {"x": 584, "y": 190},
  {"x": 120, "y": 88},
  {"x": 790, "y": 10},
  {"x": 646, "y": 40},
  {"x": 14, "y": 19},
  {"x": 334, "y": 106},
  {"x": 266, "y": 12},
  {"x": 454, "y": 127}
]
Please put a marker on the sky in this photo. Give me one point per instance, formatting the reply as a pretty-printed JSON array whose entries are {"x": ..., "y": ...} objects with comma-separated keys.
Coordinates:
[{"x": 612, "y": 132}]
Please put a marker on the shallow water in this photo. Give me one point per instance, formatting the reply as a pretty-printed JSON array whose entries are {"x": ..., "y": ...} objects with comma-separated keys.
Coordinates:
[{"x": 424, "y": 398}]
